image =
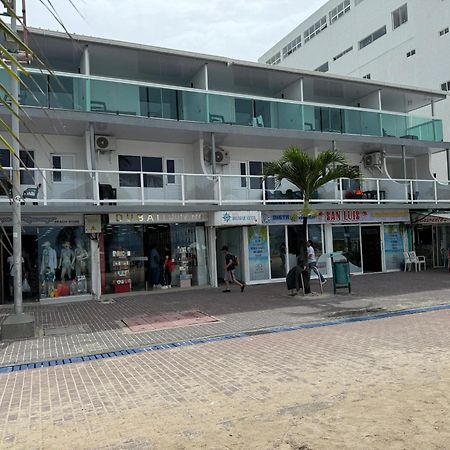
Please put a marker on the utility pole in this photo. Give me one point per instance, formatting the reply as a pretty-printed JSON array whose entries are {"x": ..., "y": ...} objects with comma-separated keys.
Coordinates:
[{"x": 18, "y": 325}]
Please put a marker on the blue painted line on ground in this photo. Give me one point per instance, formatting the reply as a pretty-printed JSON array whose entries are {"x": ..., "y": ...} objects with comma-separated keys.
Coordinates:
[{"x": 207, "y": 340}]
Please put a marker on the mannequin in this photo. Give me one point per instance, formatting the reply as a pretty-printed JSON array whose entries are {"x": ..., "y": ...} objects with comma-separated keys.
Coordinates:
[
  {"x": 66, "y": 261},
  {"x": 81, "y": 259},
  {"x": 48, "y": 267}
]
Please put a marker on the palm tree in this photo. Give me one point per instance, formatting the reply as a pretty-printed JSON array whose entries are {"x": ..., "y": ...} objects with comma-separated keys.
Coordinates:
[{"x": 309, "y": 174}]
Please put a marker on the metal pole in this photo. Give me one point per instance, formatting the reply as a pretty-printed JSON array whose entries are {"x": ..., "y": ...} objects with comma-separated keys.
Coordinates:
[{"x": 16, "y": 200}]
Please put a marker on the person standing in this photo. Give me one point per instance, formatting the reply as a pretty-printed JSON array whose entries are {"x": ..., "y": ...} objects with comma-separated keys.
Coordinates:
[
  {"x": 169, "y": 265},
  {"x": 155, "y": 267},
  {"x": 230, "y": 265},
  {"x": 312, "y": 261}
]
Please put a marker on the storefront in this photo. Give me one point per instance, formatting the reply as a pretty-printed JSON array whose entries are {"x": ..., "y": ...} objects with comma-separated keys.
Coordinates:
[
  {"x": 371, "y": 240},
  {"x": 142, "y": 251},
  {"x": 432, "y": 237},
  {"x": 56, "y": 258}
]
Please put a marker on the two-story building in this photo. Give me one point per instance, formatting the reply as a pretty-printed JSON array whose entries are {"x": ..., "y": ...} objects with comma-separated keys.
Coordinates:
[{"x": 131, "y": 147}]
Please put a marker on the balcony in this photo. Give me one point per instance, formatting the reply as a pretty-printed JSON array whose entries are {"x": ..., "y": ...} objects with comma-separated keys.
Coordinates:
[
  {"x": 111, "y": 96},
  {"x": 61, "y": 187}
]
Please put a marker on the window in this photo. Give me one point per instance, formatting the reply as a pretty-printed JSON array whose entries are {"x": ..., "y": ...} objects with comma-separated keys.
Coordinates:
[
  {"x": 315, "y": 29},
  {"x": 340, "y": 55},
  {"x": 152, "y": 164},
  {"x": 26, "y": 160},
  {"x": 339, "y": 11},
  {"x": 144, "y": 164},
  {"x": 445, "y": 86},
  {"x": 276, "y": 59},
  {"x": 256, "y": 168},
  {"x": 322, "y": 68},
  {"x": 128, "y": 164},
  {"x": 443, "y": 32},
  {"x": 372, "y": 37},
  {"x": 367, "y": 77},
  {"x": 292, "y": 46},
  {"x": 243, "y": 173},
  {"x": 411, "y": 53},
  {"x": 400, "y": 16}
]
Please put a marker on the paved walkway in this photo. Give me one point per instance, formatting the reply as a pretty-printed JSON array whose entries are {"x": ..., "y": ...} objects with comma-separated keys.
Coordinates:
[
  {"x": 93, "y": 327},
  {"x": 368, "y": 385}
]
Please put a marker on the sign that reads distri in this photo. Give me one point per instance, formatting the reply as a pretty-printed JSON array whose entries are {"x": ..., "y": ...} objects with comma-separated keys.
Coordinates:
[{"x": 133, "y": 218}]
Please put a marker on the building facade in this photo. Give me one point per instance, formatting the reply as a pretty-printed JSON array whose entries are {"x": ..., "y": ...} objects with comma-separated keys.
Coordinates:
[
  {"x": 396, "y": 41},
  {"x": 135, "y": 155}
]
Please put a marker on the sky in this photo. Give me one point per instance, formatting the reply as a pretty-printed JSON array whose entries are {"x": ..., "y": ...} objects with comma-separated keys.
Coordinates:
[{"x": 239, "y": 29}]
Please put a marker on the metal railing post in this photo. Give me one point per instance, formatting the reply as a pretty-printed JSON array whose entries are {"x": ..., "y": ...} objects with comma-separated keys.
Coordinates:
[
  {"x": 96, "y": 188},
  {"x": 141, "y": 176},
  {"x": 263, "y": 185},
  {"x": 435, "y": 192},
  {"x": 183, "y": 192},
  {"x": 378, "y": 191},
  {"x": 341, "y": 195},
  {"x": 44, "y": 186},
  {"x": 219, "y": 188},
  {"x": 411, "y": 187}
]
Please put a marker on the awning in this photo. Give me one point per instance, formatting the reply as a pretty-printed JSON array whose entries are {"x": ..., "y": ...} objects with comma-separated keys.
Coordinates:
[{"x": 429, "y": 219}]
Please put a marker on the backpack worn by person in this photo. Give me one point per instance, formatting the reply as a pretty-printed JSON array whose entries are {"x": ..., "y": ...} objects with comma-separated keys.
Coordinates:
[{"x": 235, "y": 260}]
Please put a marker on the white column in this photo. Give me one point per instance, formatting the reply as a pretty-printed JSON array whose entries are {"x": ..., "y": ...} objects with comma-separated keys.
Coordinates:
[
  {"x": 212, "y": 256},
  {"x": 96, "y": 281}
]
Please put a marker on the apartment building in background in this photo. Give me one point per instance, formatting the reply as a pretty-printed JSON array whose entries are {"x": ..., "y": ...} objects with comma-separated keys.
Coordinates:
[
  {"x": 130, "y": 148},
  {"x": 397, "y": 41}
]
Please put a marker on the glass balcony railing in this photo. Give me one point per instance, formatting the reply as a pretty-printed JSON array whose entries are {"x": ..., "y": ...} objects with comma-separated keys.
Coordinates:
[
  {"x": 81, "y": 93},
  {"x": 106, "y": 187}
]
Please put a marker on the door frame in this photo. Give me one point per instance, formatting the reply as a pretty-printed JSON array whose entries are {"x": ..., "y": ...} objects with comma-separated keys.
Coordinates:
[{"x": 381, "y": 231}]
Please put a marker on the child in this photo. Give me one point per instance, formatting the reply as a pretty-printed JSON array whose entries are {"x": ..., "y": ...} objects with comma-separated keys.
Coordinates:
[{"x": 168, "y": 269}]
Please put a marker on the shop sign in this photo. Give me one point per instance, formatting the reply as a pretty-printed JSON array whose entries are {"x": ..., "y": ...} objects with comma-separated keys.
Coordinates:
[
  {"x": 93, "y": 223},
  {"x": 339, "y": 216},
  {"x": 134, "y": 218},
  {"x": 234, "y": 218},
  {"x": 44, "y": 220}
]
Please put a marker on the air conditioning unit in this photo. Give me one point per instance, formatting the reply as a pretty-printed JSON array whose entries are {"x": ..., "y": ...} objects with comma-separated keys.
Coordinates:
[
  {"x": 105, "y": 144},
  {"x": 222, "y": 156},
  {"x": 374, "y": 159}
]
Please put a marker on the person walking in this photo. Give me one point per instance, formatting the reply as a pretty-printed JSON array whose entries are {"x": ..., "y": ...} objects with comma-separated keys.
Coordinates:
[
  {"x": 231, "y": 262},
  {"x": 312, "y": 261},
  {"x": 155, "y": 267}
]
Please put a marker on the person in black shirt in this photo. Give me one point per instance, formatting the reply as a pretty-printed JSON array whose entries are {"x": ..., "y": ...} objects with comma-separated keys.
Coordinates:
[{"x": 229, "y": 276}]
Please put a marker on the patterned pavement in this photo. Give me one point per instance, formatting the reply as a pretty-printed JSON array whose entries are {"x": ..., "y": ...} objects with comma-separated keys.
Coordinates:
[
  {"x": 92, "y": 327},
  {"x": 283, "y": 391}
]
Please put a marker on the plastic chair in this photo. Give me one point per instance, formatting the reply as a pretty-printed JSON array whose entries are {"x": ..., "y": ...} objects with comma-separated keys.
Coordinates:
[
  {"x": 407, "y": 261},
  {"x": 418, "y": 261}
]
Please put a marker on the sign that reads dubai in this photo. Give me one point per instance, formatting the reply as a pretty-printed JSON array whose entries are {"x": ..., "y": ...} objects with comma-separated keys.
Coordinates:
[{"x": 133, "y": 218}]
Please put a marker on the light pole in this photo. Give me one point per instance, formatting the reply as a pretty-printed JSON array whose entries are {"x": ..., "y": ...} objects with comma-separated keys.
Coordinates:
[{"x": 17, "y": 325}]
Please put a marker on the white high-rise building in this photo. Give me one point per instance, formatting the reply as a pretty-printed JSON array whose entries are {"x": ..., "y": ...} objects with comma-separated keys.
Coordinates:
[{"x": 398, "y": 41}]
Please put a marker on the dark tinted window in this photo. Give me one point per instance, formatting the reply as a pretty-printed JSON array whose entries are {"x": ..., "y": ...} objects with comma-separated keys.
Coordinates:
[{"x": 129, "y": 163}]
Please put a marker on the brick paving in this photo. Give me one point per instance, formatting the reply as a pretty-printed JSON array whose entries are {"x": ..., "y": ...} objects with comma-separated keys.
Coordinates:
[
  {"x": 163, "y": 399},
  {"x": 93, "y": 327}
]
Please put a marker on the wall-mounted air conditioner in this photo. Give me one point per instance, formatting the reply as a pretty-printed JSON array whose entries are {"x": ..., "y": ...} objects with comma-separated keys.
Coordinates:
[
  {"x": 105, "y": 144},
  {"x": 374, "y": 159},
  {"x": 222, "y": 156}
]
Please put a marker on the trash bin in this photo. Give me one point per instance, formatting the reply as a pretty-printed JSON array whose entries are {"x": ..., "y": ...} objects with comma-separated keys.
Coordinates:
[{"x": 341, "y": 275}]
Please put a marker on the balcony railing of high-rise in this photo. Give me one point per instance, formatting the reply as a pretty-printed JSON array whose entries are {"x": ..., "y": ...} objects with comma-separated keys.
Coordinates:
[
  {"x": 111, "y": 96},
  {"x": 45, "y": 186}
]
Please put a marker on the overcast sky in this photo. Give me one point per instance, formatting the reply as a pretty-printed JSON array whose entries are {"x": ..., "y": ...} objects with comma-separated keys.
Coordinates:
[{"x": 240, "y": 29}]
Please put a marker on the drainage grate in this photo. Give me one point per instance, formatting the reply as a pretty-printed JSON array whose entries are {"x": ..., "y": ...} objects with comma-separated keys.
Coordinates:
[{"x": 207, "y": 340}]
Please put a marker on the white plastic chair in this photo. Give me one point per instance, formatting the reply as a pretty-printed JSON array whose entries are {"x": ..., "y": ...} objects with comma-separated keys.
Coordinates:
[
  {"x": 408, "y": 263},
  {"x": 418, "y": 261}
]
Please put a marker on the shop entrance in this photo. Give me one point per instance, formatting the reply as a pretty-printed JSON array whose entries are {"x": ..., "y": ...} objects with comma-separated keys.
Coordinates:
[
  {"x": 371, "y": 248},
  {"x": 232, "y": 238}
]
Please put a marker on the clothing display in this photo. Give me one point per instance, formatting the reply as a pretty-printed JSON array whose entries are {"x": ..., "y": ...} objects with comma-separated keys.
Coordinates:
[
  {"x": 66, "y": 261},
  {"x": 81, "y": 259}
]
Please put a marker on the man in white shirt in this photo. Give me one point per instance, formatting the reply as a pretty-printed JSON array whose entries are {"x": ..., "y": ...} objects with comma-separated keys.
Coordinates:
[{"x": 312, "y": 261}]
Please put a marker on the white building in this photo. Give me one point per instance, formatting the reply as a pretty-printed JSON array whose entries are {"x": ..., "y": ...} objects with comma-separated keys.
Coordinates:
[
  {"x": 398, "y": 41},
  {"x": 118, "y": 159}
]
